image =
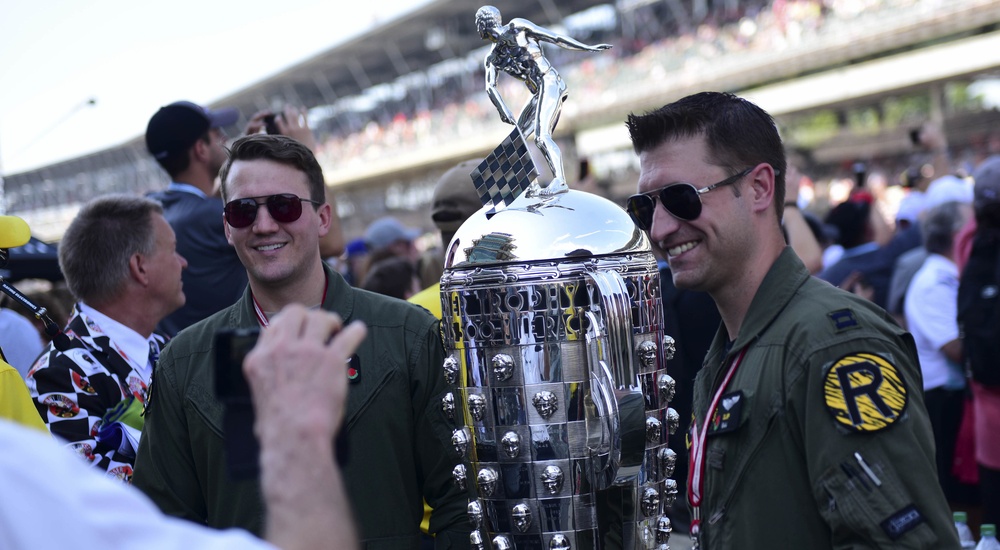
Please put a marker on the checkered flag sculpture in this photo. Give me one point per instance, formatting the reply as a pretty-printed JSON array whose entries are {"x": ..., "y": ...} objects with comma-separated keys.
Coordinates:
[{"x": 505, "y": 173}]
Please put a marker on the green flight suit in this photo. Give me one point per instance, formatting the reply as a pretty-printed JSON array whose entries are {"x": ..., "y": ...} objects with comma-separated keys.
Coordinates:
[
  {"x": 821, "y": 438},
  {"x": 399, "y": 450}
]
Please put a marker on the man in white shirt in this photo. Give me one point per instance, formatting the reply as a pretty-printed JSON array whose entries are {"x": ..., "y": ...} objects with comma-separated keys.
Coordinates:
[
  {"x": 120, "y": 262},
  {"x": 55, "y": 502},
  {"x": 930, "y": 307}
]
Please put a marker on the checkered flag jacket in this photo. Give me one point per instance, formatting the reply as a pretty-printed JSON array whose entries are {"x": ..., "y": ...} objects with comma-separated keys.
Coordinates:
[{"x": 91, "y": 395}]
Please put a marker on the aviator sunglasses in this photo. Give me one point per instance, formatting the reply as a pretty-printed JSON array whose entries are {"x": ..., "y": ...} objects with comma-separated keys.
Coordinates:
[
  {"x": 283, "y": 208},
  {"x": 682, "y": 200}
]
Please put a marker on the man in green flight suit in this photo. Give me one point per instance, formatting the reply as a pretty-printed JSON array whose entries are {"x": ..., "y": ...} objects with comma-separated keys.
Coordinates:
[
  {"x": 398, "y": 441},
  {"x": 809, "y": 428}
]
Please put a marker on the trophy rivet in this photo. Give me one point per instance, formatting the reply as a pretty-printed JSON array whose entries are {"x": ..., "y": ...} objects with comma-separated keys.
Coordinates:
[
  {"x": 477, "y": 406},
  {"x": 451, "y": 369},
  {"x": 476, "y": 541},
  {"x": 501, "y": 542},
  {"x": 475, "y": 514},
  {"x": 458, "y": 474},
  {"x": 522, "y": 517},
  {"x": 668, "y": 460},
  {"x": 646, "y": 350},
  {"x": 673, "y": 421},
  {"x": 669, "y": 492},
  {"x": 663, "y": 529},
  {"x": 487, "y": 481},
  {"x": 460, "y": 441},
  {"x": 667, "y": 388},
  {"x": 559, "y": 542},
  {"x": 552, "y": 479},
  {"x": 511, "y": 443},
  {"x": 669, "y": 347},
  {"x": 503, "y": 366},
  {"x": 650, "y": 501},
  {"x": 545, "y": 403},
  {"x": 653, "y": 430},
  {"x": 448, "y": 405}
]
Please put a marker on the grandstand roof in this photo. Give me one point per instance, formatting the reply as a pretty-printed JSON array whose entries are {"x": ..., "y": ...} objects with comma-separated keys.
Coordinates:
[
  {"x": 438, "y": 31},
  {"x": 380, "y": 55}
]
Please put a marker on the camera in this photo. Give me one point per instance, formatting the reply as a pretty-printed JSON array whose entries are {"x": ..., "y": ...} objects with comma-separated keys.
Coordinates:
[
  {"x": 242, "y": 447},
  {"x": 231, "y": 347},
  {"x": 231, "y": 388},
  {"x": 270, "y": 126}
]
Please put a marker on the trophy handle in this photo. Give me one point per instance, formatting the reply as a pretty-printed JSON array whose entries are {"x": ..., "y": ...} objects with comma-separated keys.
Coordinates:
[{"x": 618, "y": 450}]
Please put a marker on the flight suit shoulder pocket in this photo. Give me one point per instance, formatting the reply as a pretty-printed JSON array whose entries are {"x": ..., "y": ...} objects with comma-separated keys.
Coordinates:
[{"x": 862, "y": 498}]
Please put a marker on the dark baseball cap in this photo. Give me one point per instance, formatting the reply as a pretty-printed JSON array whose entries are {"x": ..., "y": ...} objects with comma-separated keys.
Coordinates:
[
  {"x": 987, "y": 187},
  {"x": 455, "y": 197},
  {"x": 175, "y": 127}
]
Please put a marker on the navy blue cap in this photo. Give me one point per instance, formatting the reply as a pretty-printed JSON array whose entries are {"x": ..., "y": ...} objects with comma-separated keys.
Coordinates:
[{"x": 176, "y": 127}]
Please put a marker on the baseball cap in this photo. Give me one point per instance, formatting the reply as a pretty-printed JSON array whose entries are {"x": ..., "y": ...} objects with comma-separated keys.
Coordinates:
[
  {"x": 455, "y": 197},
  {"x": 947, "y": 189},
  {"x": 356, "y": 248},
  {"x": 987, "y": 187},
  {"x": 385, "y": 231},
  {"x": 175, "y": 127},
  {"x": 911, "y": 206}
]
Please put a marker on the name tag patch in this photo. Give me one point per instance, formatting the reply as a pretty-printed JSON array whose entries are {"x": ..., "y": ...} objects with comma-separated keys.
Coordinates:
[
  {"x": 864, "y": 392},
  {"x": 902, "y": 521}
]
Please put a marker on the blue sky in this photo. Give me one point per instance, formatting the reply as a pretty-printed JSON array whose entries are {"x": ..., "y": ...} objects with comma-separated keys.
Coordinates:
[{"x": 131, "y": 57}]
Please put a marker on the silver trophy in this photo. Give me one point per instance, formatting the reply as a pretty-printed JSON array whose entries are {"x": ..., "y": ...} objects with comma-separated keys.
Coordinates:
[{"x": 555, "y": 345}]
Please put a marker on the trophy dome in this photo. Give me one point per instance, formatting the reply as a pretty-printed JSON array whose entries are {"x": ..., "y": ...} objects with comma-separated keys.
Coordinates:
[{"x": 568, "y": 225}]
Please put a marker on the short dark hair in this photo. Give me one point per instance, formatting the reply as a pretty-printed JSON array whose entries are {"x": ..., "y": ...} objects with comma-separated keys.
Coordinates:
[
  {"x": 177, "y": 162},
  {"x": 738, "y": 133},
  {"x": 850, "y": 218},
  {"x": 281, "y": 149},
  {"x": 391, "y": 276},
  {"x": 94, "y": 252}
]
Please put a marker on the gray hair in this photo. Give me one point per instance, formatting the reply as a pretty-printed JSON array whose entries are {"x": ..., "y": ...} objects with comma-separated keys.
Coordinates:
[
  {"x": 939, "y": 226},
  {"x": 94, "y": 252}
]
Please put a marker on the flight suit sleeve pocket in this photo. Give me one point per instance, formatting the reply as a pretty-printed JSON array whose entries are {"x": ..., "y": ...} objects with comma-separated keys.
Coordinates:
[{"x": 863, "y": 501}]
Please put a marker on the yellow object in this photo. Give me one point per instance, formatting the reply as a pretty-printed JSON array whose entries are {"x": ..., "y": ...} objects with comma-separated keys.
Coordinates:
[
  {"x": 429, "y": 299},
  {"x": 15, "y": 401},
  {"x": 14, "y": 232}
]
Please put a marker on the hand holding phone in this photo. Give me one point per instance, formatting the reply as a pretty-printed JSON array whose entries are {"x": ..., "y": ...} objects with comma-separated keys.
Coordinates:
[{"x": 270, "y": 126}]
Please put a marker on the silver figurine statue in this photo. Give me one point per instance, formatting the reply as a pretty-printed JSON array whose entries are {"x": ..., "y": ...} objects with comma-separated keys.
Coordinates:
[{"x": 516, "y": 51}]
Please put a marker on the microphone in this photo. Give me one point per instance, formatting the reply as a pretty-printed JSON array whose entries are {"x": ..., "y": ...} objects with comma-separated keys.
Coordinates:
[{"x": 14, "y": 232}]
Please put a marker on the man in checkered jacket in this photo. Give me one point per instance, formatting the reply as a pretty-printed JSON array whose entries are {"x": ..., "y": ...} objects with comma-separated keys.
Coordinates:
[{"x": 119, "y": 260}]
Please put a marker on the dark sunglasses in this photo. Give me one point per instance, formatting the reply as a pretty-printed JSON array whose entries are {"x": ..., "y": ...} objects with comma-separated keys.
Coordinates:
[
  {"x": 682, "y": 200},
  {"x": 283, "y": 208}
]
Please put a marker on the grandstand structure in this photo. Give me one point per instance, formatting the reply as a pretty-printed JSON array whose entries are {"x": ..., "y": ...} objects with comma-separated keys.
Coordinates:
[{"x": 396, "y": 106}]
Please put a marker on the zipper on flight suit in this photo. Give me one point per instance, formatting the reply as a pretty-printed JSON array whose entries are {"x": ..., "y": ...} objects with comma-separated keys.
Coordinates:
[{"x": 721, "y": 510}]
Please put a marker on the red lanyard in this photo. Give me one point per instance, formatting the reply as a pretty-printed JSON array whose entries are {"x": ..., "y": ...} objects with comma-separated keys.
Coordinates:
[
  {"x": 696, "y": 474},
  {"x": 262, "y": 317}
]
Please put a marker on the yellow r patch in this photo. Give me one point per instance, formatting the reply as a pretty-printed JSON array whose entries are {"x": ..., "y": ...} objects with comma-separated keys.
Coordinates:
[{"x": 864, "y": 392}]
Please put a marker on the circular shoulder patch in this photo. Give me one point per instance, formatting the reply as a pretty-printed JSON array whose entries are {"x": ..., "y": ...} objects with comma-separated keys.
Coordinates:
[{"x": 864, "y": 392}]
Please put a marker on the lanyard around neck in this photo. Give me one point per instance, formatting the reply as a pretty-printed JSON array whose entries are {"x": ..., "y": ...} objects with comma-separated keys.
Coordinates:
[
  {"x": 696, "y": 474},
  {"x": 262, "y": 317}
]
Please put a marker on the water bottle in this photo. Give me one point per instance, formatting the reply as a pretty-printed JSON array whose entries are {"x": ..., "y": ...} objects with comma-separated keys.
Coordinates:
[
  {"x": 964, "y": 533},
  {"x": 988, "y": 537}
]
